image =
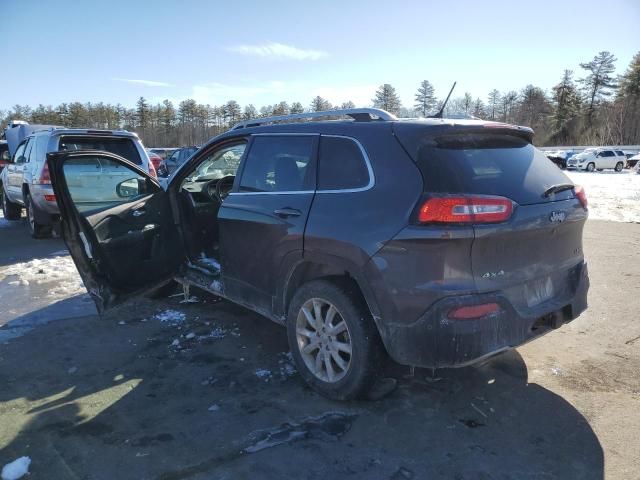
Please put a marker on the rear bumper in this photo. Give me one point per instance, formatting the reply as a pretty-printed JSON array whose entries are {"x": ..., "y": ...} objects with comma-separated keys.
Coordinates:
[{"x": 435, "y": 341}]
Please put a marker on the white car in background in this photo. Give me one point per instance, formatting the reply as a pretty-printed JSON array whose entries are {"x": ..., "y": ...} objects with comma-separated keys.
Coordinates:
[{"x": 598, "y": 159}]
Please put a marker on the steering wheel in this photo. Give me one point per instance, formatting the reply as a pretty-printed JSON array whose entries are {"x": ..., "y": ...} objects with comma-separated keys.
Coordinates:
[{"x": 223, "y": 187}]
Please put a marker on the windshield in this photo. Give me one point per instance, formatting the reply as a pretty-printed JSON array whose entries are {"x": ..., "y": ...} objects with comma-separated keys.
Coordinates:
[{"x": 122, "y": 146}]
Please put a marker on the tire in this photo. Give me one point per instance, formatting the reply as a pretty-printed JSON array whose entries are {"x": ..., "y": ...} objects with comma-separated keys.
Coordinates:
[
  {"x": 591, "y": 167},
  {"x": 10, "y": 210},
  {"x": 619, "y": 167},
  {"x": 36, "y": 229},
  {"x": 356, "y": 332}
]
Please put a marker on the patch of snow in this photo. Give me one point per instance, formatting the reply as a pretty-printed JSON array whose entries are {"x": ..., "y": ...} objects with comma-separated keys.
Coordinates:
[
  {"x": 175, "y": 343},
  {"x": 171, "y": 316},
  {"x": 287, "y": 368},
  {"x": 218, "y": 333},
  {"x": 214, "y": 408},
  {"x": 59, "y": 270},
  {"x": 189, "y": 300},
  {"x": 263, "y": 374},
  {"x": 72, "y": 370},
  {"x": 613, "y": 196},
  {"x": 216, "y": 285},
  {"x": 16, "y": 469},
  {"x": 190, "y": 335}
]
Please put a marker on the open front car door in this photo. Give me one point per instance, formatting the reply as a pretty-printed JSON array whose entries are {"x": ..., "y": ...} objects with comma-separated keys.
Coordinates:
[{"x": 117, "y": 224}]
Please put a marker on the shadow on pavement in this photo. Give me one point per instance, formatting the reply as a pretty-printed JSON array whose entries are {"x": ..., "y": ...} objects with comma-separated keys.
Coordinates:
[{"x": 94, "y": 398}]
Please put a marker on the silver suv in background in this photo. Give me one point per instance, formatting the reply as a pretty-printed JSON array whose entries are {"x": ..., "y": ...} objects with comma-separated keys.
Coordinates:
[
  {"x": 25, "y": 182},
  {"x": 598, "y": 159}
]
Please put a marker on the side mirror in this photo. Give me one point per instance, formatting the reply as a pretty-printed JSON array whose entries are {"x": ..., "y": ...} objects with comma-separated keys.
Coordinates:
[{"x": 130, "y": 188}]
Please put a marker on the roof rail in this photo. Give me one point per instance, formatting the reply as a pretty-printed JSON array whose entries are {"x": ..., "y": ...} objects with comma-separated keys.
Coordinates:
[{"x": 358, "y": 114}]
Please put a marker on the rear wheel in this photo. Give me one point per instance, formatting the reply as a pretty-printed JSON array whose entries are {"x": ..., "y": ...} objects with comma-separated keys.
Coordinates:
[
  {"x": 333, "y": 340},
  {"x": 37, "y": 230},
  {"x": 619, "y": 166},
  {"x": 10, "y": 210},
  {"x": 591, "y": 167}
]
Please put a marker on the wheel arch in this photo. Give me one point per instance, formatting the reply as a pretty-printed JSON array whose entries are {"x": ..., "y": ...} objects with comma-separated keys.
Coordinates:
[{"x": 325, "y": 267}]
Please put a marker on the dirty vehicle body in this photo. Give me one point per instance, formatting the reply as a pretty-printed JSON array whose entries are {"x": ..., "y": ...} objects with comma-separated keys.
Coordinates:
[
  {"x": 25, "y": 182},
  {"x": 428, "y": 240}
]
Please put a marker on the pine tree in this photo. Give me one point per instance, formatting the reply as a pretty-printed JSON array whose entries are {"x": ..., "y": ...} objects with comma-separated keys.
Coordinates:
[
  {"x": 599, "y": 82},
  {"x": 347, "y": 105},
  {"x": 566, "y": 101},
  {"x": 232, "y": 112},
  {"x": 425, "y": 98},
  {"x": 142, "y": 112},
  {"x": 478, "y": 108},
  {"x": 281, "y": 108},
  {"x": 387, "y": 99},
  {"x": 296, "y": 107},
  {"x": 493, "y": 106},
  {"x": 319, "y": 104},
  {"x": 250, "y": 112}
]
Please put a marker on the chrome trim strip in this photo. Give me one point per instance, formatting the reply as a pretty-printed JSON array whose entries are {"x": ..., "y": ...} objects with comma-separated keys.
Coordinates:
[
  {"x": 372, "y": 179},
  {"x": 273, "y": 193}
]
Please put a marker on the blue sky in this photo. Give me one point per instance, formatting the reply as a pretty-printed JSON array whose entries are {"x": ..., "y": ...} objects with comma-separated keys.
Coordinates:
[{"x": 262, "y": 52}]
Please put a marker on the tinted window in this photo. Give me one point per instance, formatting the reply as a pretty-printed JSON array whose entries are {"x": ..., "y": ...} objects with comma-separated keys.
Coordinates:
[
  {"x": 19, "y": 152},
  {"x": 606, "y": 153},
  {"x": 279, "y": 164},
  {"x": 219, "y": 163},
  {"x": 489, "y": 165},
  {"x": 27, "y": 150},
  {"x": 125, "y": 147},
  {"x": 341, "y": 165},
  {"x": 619, "y": 152}
]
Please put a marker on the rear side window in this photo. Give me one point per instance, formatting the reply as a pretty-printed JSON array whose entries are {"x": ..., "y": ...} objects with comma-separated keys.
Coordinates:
[
  {"x": 619, "y": 152},
  {"x": 122, "y": 146},
  {"x": 341, "y": 164},
  {"x": 606, "y": 153},
  {"x": 279, "y": 164},
  {"x": 489, "y": 164}
]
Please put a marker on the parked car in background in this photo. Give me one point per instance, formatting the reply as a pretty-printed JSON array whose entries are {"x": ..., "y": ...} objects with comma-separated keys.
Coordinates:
[
  {"x": 559, "y": 157},
  {"x": 5, "y": 157},
  {"x": 173, "y": 161},
  {"x": 422, "y": 239},
  {"x": 25, "y": 182},
  {"x": 162, "y": 152},
  {"x": 632, "y": 161},
  {"x": 599, "y": 159},
  {"x": 155, "y": 160}
]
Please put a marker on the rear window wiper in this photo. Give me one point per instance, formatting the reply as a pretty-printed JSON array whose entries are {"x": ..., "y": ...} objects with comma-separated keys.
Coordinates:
[{"x": 561, "y": 187}]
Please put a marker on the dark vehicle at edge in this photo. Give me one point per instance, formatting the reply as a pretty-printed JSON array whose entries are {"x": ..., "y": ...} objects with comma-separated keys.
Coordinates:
[{"x": 427, "y": 240}]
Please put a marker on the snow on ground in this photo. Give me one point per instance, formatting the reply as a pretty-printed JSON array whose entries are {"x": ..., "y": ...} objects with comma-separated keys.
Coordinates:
[
  {"x": 59, "y": 271},
  {"x": 16, "y": 469},
  {"x": 170, "y": 316},
  {"x": 612, "y": 196}
]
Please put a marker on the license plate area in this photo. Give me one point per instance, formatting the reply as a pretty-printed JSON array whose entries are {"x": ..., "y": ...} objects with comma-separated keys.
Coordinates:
[{"x": 538, "y": 291}]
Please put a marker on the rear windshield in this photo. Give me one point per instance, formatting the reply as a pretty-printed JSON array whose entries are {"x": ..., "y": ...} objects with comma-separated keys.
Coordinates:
[
  {"x": 488, "y": 164},
  {"x": 125, "y": 147}
]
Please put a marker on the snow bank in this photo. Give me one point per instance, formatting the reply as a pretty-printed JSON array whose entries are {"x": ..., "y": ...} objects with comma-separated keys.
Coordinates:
[
  {"x": 16, "y": 469},
  {"x": 59, "y": 270},
  {"x": 612, "y": 196}
]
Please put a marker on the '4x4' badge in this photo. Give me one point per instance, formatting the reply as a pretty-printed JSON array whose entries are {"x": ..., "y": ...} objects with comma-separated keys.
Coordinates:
[{"x": 557, "y": 217}]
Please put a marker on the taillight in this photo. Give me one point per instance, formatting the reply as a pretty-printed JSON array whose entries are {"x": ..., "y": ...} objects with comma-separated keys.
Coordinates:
[
  {"x": 465, "y": 209},
  {"x": 152, "y": 170},
  {"x": 50, "y": 198},
  {"x": 45, "y": 178},
  {"x": 473, "y": 311},
  {"x": 581, "y": 195}
]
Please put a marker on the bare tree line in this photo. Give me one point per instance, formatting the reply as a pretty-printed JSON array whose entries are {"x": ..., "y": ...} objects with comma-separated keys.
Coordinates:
[{"x": 595, "y": 109}]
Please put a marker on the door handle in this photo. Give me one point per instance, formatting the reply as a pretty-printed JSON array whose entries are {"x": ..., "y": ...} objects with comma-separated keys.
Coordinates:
[
  {"x": 287, "y": 212},
  {"x": 139, "y": 212}
]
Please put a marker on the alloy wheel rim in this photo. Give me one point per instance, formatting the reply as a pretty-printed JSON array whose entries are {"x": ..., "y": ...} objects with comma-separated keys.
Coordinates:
[{"x": 323, "y": 339}]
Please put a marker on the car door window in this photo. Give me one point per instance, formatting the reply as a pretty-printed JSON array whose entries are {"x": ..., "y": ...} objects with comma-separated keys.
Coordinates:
[
  {"x": 27, "y": 151},
  {"x": 97, "y": 183},
  {"x": 341, "y": 165},
  {"x": 279, "y": 163},
  {"x": 18, "y": 156},
  {"x": 220, "y": 162}
]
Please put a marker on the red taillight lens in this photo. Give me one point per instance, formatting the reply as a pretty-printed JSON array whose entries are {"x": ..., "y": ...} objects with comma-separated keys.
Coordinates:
[
  {"x": 462, "y": 209},
  {"x": 152, "y": 170},
  {"x": 581, "y": 195},
  {"x": 473, "y": 311},
  {"x": 44, "y": 175},
  {"x": 50, "y": 198}
]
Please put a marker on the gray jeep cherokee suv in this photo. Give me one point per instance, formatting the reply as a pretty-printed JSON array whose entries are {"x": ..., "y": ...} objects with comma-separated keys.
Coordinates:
[{"x": 436, "y": 242}]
